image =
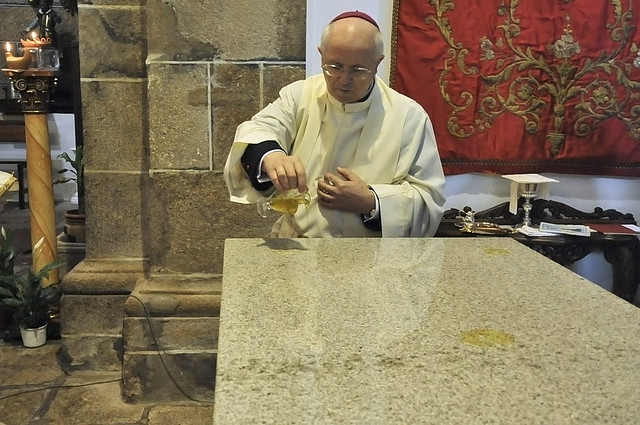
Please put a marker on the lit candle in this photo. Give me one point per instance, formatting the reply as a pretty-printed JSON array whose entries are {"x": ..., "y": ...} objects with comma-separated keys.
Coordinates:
[
  {"x": 8, "y": 47},
  {"x": 33, "y": 35}
]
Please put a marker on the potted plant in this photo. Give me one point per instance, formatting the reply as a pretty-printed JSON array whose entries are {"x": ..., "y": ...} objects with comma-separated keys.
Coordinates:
[
  {"x": 7, "y": 261},
  {"x": 74, "y": 227},
  {"x": 30, "y": 301}
]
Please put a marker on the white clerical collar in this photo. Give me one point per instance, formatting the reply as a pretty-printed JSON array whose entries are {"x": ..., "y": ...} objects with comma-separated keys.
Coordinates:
[{"x": 355, "y": 106}]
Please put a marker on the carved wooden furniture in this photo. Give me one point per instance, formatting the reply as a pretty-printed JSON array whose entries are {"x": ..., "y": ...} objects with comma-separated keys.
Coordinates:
[{"x": 621, "y": 251}]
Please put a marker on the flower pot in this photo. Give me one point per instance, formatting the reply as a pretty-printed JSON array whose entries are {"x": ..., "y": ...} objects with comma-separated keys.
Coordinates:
[
  {"x": 69, "y": 252},
  {"x": 34, "y": 337},
  {"x": 74, "y": 226}
]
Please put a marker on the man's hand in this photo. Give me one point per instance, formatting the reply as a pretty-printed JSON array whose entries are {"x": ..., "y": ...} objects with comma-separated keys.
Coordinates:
[
  {"x": 346, "y": 192},
  {"x": 286, "y": 172}
]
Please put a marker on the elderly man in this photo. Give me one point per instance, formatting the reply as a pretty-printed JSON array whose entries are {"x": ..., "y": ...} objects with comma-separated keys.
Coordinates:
[{"x": 366, "y": 154}]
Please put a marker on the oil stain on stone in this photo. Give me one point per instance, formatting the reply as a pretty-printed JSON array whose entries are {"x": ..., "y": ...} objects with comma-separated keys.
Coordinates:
[{"x": 487, "y": 338}]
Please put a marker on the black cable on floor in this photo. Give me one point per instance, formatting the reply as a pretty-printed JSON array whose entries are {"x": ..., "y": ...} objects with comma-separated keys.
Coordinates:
[
  {"x": 161, "y": 354},
  {"x": 51, "y": 387}
]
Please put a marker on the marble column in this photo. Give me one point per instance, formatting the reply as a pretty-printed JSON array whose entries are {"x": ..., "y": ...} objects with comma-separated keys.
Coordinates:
[{"x": 35, "y": 87}]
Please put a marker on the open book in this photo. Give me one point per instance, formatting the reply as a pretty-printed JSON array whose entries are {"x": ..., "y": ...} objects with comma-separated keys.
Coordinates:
[{"x": 6, "y": 181}]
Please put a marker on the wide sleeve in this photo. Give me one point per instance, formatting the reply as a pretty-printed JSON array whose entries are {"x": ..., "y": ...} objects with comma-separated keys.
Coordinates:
[
  {"x": 413, "y": 204},
  {"x": 277, "y": 121}
]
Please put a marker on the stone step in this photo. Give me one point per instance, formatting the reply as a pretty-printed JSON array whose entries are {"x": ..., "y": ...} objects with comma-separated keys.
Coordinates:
[
  {"x": 170, "y": 338},
  {"x": 91, "y": 312}
]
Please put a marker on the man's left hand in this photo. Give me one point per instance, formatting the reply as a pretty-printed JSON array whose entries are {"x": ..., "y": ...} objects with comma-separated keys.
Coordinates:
[{"x": 345, "y": 191}]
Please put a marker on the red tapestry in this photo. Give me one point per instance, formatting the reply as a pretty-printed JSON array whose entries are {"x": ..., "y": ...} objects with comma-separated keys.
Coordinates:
[{"x": 524, "y": 86}]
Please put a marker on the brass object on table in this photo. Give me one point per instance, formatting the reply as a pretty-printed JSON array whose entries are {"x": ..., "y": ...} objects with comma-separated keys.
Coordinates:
[{"x": 470, "y": 225}]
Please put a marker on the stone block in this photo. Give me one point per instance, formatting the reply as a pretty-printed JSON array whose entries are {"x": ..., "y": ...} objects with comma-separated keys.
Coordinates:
[
  {"x": 113, "y": 42},
  {"x": 277, "y": 76},
  {"x": 71, "y": 253},
  {"x": 189, "y": 227},
  {"x": 176, "y": 295},
  {"x": 115, "y": 220},
  {"x": 181, "y": 31},
  {"x": 179, "y": 133},
  {"x": 174, "y": 333},
  {"x": 92, "y": 314},
  {"x": 235, "y": 97},
  {"x": 241, "y": 30},
  {"x": 114, "y": 113},
  {"x": 173, "y": 312},
  {"x": 91, "y": 352},
  {"x": 103, "y": 277},
  {"x": 176, "y": 377},
  {"x": 183, "y": 415}
]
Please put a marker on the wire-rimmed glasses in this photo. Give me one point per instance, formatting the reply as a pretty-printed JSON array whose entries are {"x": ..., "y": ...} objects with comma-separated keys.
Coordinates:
[{"x": 357, "y": 72}]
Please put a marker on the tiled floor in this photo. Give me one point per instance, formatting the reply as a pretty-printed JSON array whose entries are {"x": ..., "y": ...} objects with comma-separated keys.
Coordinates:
[{"x": 34, "y": 390}]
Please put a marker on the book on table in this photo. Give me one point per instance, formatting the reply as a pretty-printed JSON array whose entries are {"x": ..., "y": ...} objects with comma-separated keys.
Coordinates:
[{"x": 615, "y": 228}]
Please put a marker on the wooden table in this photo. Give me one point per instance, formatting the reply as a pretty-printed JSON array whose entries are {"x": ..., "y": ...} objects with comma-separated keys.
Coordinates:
[
  {"x": 419, "y": 331},
  {"x": 621, "y": 251}
]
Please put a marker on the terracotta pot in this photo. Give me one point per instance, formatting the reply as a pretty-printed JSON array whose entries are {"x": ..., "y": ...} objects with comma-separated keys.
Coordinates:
[{"x": 74, "y": 226}]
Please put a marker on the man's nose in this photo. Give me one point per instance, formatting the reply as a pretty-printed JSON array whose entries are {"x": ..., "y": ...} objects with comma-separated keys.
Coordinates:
[{"x": 345, "y": 77}]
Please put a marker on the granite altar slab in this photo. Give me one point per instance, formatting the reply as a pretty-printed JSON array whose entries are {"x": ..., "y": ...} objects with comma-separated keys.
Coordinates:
[{"x": 419, "y": 331}]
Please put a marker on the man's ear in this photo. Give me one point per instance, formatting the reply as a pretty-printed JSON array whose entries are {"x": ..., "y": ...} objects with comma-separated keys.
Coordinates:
[{"x": 378, "y": 63}]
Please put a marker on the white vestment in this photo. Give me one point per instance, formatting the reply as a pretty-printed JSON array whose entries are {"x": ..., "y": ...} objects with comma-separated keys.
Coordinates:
[{"x": 387, "y": 140}]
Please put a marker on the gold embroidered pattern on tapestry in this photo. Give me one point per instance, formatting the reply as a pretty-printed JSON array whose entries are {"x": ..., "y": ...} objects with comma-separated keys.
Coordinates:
[{"x": 527, "y": 84}]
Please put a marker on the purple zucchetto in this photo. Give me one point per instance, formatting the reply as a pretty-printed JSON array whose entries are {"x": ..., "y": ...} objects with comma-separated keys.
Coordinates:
[{"x": 356, "y": 14}]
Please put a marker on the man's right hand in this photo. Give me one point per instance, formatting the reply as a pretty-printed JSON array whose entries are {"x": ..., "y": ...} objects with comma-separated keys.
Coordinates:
[{"x": 286, "y": 172}]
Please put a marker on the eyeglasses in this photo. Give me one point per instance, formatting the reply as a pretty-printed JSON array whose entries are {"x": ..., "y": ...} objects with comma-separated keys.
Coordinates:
[{"x": 357, "y": 73}]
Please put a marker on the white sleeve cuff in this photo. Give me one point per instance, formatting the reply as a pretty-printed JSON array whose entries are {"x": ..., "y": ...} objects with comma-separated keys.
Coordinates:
[
  {"x": 264, "y": 178},
  {"x": 376, "y": 211}
]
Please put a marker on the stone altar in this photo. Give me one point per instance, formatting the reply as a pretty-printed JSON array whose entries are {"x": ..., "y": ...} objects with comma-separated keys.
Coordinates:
[{"x": 429, "y": 331}]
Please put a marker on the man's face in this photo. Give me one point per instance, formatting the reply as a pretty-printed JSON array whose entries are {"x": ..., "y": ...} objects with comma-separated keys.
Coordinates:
[{"x": 348, "y": 56}]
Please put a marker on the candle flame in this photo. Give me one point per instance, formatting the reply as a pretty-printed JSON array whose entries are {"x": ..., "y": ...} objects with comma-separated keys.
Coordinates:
[
  {"x": 33, "y": 35},
  {"x": 8, "y": 46}
]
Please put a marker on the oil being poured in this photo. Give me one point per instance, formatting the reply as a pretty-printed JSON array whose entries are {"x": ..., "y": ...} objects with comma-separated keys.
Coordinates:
[
  {"x": 283, "y": 202},
  {"x": 288, "y": 206}
]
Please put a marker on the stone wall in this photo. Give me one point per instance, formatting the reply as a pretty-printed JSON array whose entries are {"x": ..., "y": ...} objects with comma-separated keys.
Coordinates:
[{"x": 164, "y": 84}]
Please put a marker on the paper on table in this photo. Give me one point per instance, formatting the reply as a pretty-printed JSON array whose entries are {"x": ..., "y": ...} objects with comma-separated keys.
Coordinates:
[
  {"x": 566, "y": 229},
  {"x": 531, "y": 231},
  {"x": 517, "y": 179}
]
